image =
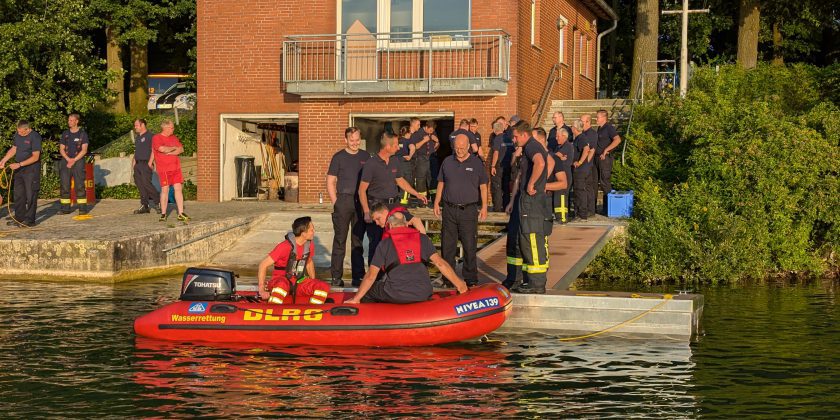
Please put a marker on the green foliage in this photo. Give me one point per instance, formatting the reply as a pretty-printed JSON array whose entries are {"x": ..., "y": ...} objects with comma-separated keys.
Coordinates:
[
  {"x": 738, "y": 181},
  {"x": 47, "y": 65},
  {"x": 110, "y": 135},
  {"x": 120, "y": 192}
]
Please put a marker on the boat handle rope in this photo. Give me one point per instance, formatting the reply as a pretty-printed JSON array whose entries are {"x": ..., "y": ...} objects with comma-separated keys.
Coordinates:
[{"x": 665, "y": 298}]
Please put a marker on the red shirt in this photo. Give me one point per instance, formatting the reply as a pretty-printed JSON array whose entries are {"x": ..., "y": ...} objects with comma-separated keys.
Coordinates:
[
  {"x": 280, "y": 255},
  {"x": 163, "y": 161}
]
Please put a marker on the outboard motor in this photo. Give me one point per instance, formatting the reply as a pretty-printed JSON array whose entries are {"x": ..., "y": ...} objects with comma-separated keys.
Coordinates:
[{"x": 208, "y": 284}]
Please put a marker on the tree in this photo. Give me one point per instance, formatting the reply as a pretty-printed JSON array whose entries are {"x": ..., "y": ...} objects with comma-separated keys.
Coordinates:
[
  {"x": 48, "y": 67},
  {"x": 645, "y": 46},
  {"x": 748, "y": 25}
]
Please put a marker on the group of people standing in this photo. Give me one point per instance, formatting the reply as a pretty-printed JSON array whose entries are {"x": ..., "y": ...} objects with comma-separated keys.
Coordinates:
[
  {"x": 531, "y": 173},
  {"x": 158, "y": 152}
]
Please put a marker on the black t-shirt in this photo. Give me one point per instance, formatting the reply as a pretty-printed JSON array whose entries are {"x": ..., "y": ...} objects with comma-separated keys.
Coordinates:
[
  {"x": 405, "y": 282},
  {"x": 502, "y": 144},
  {"x": 552, "y": 137},
  {"x": 73, "y": 141},
  {"x": 382, "y": 177},
  {"x": 347, "y": 167},
  {"x": 477, "y": 136},
  {"x": 462, "y": 179},
  {"x": 558, "y": 168},
  {"x": 532, "y": 148},
  {"x": 587, "y": 138},
  {"x": 567, "y": 149},
  {"x": 606, "y": 133},
  {"x": 467, "y": 133},
  {"x": 26, "y": 145},
  {"x": 425, "y": 150},
  {"x": 143, "y": 146},
  {"x": 404, "y": 147}
]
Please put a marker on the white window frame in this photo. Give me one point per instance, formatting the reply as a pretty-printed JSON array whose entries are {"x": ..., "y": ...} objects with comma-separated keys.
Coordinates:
[
  {"x": 383, "y": 24},
  {"x": 562, "y": 41},
  {"x": 533, "y": 22}
]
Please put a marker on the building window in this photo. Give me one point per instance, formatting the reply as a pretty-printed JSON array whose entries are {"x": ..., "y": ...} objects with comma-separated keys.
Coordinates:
[
  {"x": 409, "y": 18},
  {"x": 586, "y": 56},
  {"x": 362, "y": 10},
  {"x": 535, "y": 19},
  {"x": 561, "y": 47}
]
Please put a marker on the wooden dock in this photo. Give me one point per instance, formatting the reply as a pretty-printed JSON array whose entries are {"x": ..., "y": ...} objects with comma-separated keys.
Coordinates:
[{"x": 571, "y": 248}]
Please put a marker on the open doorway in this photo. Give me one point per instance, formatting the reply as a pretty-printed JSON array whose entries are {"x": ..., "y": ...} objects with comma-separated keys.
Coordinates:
[
  {"x": 259, "y": 157},
  {"x": 372, "y": 126}
]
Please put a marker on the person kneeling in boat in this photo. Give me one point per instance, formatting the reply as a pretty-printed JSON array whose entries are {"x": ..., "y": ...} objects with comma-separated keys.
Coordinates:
[
  {"x": 402, "y": 255},
  {"x": 293, "y": 279}
]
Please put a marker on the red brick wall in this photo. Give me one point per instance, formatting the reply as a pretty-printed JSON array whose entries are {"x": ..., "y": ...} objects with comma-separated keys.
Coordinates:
[{"x": 239, "y": 71}]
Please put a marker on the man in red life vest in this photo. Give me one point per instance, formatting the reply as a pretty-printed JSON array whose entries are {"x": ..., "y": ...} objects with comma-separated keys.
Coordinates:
[
  {"x": 402, "y": 255},
  {"x": 293, "y": 279}
]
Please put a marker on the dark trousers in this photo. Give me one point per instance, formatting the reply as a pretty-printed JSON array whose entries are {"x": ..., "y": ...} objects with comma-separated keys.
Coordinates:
[
  {"x": 500, "y": 188},
  {"x": 407, "y": 172},
  {"x": 584, "y": 205},
  {"x": 149, "y": 195},
  {"x": 534, "y": 228},
  {"x": 422, "y": 174},
  {"x": 76, "y": 173},
  {"x": 347, "y": 217},
  {"x": 27, "y": 186},
  {"x": 514, "y": 257},
  {"x": 460, "y": 223},
  {"x": 560, "y": 201},
  {"x": 604, "y": 168}
]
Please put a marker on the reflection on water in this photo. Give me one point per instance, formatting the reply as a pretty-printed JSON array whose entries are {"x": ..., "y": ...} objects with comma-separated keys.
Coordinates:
[{"x": 68, "y": 350}]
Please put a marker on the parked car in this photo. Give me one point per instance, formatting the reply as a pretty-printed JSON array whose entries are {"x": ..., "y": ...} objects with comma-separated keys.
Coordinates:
[{"x": 178, "y": 96}]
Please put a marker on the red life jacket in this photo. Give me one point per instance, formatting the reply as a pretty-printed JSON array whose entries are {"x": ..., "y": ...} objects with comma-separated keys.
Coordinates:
[
  {"x": 407, "y": 243},
  {"x": 387, "y": 232},
  {"x": 295, "y": 266}
]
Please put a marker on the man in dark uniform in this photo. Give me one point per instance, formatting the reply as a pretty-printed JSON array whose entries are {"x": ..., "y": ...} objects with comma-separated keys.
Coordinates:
[
  {"x": 462, "y": 188},
  {"x": 464, "y": 128},
  {"x": 343, "y": 177},
  {"x": 379, "y": 182},
  {"x": 500, "y": 157},
  {"x": 514, "y": 256},
  {"x": 583, "y": 169},
  {"x": 143, "y": 163},
  {"x": 559, "y": 125},
  {"x": 27, "y": 152},
  {"x": 534, "y": 211},
  {"x": 73, "y": 147},
  {"x": 406, "y": 155},
  {"x": 608, "y": 140},
  {"x": 477, "y": 135},
  {"x": 402, "y": 257},
  {"x": 425, "y": 144},
  {"x": 565, "y": 154}
]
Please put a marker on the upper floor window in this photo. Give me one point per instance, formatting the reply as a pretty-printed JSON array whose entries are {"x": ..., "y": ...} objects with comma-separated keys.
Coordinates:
[{"x": 407, "y": 20}]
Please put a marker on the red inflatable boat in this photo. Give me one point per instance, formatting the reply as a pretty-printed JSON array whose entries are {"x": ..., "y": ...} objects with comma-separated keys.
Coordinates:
[{"x": 211, "y": 310}]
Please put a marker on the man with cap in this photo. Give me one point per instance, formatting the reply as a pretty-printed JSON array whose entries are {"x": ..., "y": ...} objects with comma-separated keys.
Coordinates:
[
  {"x": 534, "y": 211},
  {"x": 73, "y": 147},
  {"x": 559, "y": 125},
  {"x": 400, "y": 260},
  {"x": 379, "y": 182},
  {"x": 343, "y": 177},
  {"x": 462, "y": 188},
  {"x": 608, "y": 140},
  {"x": 26, "y": 150}
]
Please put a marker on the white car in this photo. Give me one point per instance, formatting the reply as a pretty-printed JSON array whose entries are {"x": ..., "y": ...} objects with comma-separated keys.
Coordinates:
[{"x": 177, "y": 96}]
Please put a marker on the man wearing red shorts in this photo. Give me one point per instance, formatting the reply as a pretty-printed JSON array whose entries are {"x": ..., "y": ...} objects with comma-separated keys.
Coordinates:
[
  {"x": 167, "y": 147},
  {"x": 293, "y": 280}
]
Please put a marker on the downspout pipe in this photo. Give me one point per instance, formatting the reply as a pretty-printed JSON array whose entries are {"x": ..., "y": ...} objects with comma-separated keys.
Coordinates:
[{"x": 598, "y": 59}]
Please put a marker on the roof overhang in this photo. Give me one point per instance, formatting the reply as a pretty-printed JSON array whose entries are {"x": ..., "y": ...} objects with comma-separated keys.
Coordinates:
[{"x": 601, "y": 10}]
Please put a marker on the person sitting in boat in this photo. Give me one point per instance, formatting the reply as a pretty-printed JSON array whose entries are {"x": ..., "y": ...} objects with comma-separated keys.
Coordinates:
[
  {"x": 293, "y": 279},
  {"x": 402, "y": 255}
]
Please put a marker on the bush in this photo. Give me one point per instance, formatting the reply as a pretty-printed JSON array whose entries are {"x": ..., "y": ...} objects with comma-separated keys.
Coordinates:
[
  {"x": 109, "y": 133},
  {"x": 130, "y": 191},
  {"x": 740, "y": 180}
]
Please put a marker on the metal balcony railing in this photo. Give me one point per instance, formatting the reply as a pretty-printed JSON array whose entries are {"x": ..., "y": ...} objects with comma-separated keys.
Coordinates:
[{"x": 465, "y": 62}]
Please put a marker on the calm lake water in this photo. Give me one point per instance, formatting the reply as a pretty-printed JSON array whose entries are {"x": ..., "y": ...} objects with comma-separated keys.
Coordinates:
[{"x": 69, "y": 351}]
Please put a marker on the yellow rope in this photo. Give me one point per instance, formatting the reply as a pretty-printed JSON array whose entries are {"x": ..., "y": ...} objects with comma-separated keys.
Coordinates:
[
  {"x": 665, "y": 298},
  {"x": 6, "y": 177}
]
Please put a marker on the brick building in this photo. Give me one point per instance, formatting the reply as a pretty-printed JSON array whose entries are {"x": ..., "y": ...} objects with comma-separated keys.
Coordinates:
[{"x": 295, "y": 74}]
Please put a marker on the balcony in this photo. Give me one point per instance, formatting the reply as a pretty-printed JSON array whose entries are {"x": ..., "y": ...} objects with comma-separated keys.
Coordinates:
[{"x": 397, "y": 64}]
